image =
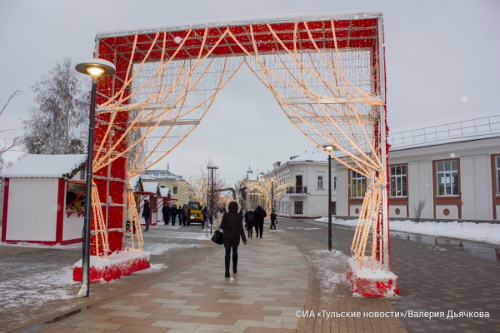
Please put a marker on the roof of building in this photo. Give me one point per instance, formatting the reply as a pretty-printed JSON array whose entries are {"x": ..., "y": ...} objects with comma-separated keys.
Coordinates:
[
  {"x": 441, "y": 131},
  {"x": 157, "y": 175},
  {"x": 150, "y": 187},
  {"x": 45, "y": 166}
]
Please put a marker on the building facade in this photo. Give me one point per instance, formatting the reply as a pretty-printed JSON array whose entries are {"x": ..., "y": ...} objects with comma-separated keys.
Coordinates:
[
  {"x": 441, "y": 172},
  {"x": 308, "y": 197}
]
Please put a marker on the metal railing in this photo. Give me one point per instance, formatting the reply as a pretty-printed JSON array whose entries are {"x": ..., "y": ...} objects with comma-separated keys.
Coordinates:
[
  {"x": 297, "y": 190},
  {"x": 461, "y": 129}
]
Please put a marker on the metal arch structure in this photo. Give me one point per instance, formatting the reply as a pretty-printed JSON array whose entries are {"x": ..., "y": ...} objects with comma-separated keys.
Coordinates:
[{"x": 327, "y": 74}]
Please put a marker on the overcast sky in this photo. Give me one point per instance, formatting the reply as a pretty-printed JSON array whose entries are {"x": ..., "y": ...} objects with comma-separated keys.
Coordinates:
[{"x": 443, "y": 59}]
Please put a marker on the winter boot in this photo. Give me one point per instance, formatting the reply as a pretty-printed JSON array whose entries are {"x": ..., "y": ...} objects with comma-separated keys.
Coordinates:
[
  {"x": 235, "y": 264},
  {"x": 228, "y": 261}
]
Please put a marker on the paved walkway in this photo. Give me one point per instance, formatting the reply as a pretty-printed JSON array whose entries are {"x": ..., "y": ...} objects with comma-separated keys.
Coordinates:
[{"x": 281, "y": 282}]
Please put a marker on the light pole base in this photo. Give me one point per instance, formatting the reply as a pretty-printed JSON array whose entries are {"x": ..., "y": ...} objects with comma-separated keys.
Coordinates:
[
  {"x": 367, "y": 282},
  {"x": 113, "y": 267}
]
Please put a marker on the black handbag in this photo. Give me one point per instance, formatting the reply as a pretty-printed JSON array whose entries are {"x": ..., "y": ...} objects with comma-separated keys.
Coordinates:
[{"x": 218, "y": 237}]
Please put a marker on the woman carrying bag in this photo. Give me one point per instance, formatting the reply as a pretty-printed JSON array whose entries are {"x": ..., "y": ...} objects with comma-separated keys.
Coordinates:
[{"x": 232, "y": 226}]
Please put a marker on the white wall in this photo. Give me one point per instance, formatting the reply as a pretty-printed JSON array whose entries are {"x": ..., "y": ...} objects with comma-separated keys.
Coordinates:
[
  {"x": 342, "y": 191},
  {"x": 420, "y": 188},
  {"x": 476, "y": 187},
  {"x": 32, "y": 210},
  {"x": 72, "y": 227}
]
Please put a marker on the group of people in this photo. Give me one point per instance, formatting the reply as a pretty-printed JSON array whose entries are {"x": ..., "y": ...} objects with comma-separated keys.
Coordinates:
[
  {"x": 172, "y": 212},
  {"x": 255, "y": 218},
  {"x": 231, "y": 225},
  {"x": 169, "y": 213}
]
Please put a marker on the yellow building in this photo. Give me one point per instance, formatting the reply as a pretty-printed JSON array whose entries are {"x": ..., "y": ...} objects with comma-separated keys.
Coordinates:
[{"x": 175, "y": 184}]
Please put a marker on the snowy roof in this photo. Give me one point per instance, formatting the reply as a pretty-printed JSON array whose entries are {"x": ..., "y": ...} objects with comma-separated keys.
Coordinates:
[
  {"x": 159, "y": 175},
  {"x": 44, "y": 166},
  {"x": 150, "y": 187},
  {"x": 314, "y": 155},
  {"x": 441, "y": 131}
]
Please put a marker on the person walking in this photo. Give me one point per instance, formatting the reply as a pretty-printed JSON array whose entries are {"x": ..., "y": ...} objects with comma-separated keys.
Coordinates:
[
  {"x": 232, "y": 227},
  {"x": 204, "y": 212},
  {"x": 187, "y": 215},
  {"x": 166, "y": 213},
  {"x": 180, "y": 213},
  {"x": 173, "y": 213},
  {"x": 260, "y": 215},
  {"x": 146, "y": 213},
  {"x": 273, "y": 220},
  {"x": 249, "y": 221}
]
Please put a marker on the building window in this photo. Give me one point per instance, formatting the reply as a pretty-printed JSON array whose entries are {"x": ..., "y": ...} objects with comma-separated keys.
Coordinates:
[
  {"x": 498, "y": 174},
  {"x": 447, "y": 177},
  {"x": 398, "y": 181},
  {"x": 299, "y": 207},
  {"x": 358, "y": 185},
  {"x": 334, "y": 183},
  {"x": 174, "y": 190},
  {"x": 320, "y": 182}
]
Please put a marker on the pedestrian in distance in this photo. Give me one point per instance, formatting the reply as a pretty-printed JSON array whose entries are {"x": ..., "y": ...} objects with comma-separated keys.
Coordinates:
[
  {"x": 146, "y": 213},
  {"x": 166, "y": 213},
  {"x": 187, "y": 215},
  {"x": 232, "y": 227},
  {"x": 180, "y": 213},
  {"x": 260, "y": 215},
  {"x": 204, "y": 212},
  {"x": 249, "y": 222},
  {"x": 173, "y": 213},
  {"x": 273, "y": 220}
]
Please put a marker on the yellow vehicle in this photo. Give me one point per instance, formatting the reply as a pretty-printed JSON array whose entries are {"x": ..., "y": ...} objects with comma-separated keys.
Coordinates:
[{"x": 196, "y": 215}]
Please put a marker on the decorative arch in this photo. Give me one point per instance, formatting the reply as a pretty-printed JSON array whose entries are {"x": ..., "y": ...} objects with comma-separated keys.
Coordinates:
[{"x": 326, "y": 73}]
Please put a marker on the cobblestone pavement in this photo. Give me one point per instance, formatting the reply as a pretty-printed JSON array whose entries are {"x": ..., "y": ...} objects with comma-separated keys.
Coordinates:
[
  {"x": 283, "y": 279},
  {"x": 433, "y": 276}
]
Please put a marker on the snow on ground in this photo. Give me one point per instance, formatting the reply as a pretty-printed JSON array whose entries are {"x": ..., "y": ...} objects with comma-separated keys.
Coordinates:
[
  {"x": 29, "y": 285},
  {"x": 328, "y": 265},
  {"x": 35, "y": 289},
  {"x": 478, "y": 232}
]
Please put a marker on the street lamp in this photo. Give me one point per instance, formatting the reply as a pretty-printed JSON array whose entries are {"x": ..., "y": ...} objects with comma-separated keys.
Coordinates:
[
  {"x": 95, "y": 68},
  {"x": 329, "y": 148}
]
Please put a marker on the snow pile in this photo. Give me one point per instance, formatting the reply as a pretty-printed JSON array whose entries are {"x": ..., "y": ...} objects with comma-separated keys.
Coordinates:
[
  {"x": 115, "y": 258},
  {"x": 369, "y": 282},
  {"x": 478, "y": 232}
]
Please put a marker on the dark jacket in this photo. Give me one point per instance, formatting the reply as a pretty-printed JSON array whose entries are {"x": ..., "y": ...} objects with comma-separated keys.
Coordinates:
[
  {"x": 146, "y": 210},
  {"x": 173, "y": 211},
  {"x": 232, "y": 225},
  {"x": 165, "y": 210},
  {"x": 260, "y": 215},
  {"x": 250, "y": 218}
]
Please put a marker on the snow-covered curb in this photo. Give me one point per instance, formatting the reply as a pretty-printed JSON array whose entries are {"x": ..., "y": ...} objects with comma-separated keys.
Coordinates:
[{"x": 478, "y": 232}]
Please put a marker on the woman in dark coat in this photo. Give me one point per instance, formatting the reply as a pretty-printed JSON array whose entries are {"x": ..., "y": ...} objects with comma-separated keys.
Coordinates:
[{"x": 232, "y": 226}]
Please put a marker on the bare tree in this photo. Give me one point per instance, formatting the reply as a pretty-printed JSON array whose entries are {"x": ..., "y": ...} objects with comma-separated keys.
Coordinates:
[
  {"x": 8, "y": 143},
  {"x": 58, "y": 122},
  {"x": 418, "y": 209},
  {"x": 269, "y": 188},
  {"x": 199, "y": 186}
]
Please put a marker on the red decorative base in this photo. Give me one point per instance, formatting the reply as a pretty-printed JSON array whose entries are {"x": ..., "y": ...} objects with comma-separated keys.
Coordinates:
[
  {"x": 117, "y": 264},
  {"x": 368, "y": 282}
]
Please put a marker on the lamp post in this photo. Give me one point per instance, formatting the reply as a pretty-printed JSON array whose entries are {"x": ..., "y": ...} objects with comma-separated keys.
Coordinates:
[
  {"x": 211, "y": 210},
  {"x": 329, "y": 148},
  {"x": 95, "y": 68}
]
